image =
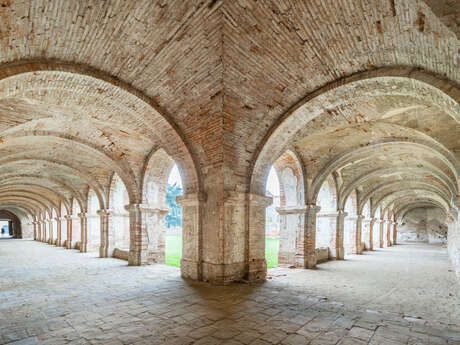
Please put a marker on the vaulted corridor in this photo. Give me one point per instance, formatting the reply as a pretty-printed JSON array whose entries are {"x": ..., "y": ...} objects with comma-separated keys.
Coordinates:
[{"x": 400, "y": 295}]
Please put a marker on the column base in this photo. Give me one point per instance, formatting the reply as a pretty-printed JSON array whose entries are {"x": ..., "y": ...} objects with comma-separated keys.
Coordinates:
[
  {"x": 83, "y": 247},
  {"x": 221, "y": 274},
  {"x": 190, "y": 269},
  {"x": 340, "y": 253},
  {"x": 257, "y": 270},
  {"x": 103, "y": 252},
  {"x": 310, "y": 261}
]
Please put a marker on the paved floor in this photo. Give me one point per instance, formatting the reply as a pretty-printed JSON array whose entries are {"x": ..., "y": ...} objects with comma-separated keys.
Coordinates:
[{"x": 50, "y": 295}]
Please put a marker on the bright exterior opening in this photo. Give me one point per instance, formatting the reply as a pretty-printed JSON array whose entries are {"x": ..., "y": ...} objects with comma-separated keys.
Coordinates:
[
  {"x": 272, "y": 220},
  {"x": 173, "y": 247},
  {"x": 4, "y": 229}
]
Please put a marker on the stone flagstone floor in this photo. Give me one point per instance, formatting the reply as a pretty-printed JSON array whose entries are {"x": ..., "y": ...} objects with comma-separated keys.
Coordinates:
[{"x": 50, "y": 295}]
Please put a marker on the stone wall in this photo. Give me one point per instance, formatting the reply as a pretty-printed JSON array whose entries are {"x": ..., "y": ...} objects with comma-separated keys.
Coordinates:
[
  {"x": 453, "y": 245},
  {"x": 423, "y": 225}
]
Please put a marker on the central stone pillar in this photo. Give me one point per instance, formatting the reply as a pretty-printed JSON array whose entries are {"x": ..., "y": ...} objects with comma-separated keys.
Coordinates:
[
  {"x": 105, "y": 242},
  {"x": 382, "y": 225},
  {"x": 358, "y": 235},
  {"x": 395, "y": 232},
  {"x": 69, "y": 231},
  {"x": 84, "y": 231},
  {"x": 138, "y": 244},
  {"x": 191, "y": 261},
  {"x": 257, "y": 265},
  {"x": 336, "y": 245},
  {"x": 58, "y": 231}
]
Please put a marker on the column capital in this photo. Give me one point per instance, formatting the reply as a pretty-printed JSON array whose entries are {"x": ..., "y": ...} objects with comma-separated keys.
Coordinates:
[
  {"x": 146, "y": 208},
  {"x": 342, "y": 213},
  {"x": 360, "y": 217},
  {"x": 456, "y": 201},
  {"x": 82, "y": 214},
  {"x": 68, "y": 216},
  {"x": 191, "y": 199},
  {"x": 104, "y": 212},
  {"x": 291, "y": 209},
  {"x": 259, "y": 200}
]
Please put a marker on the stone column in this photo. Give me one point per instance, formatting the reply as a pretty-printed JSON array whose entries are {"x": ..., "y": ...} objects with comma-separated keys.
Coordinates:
[
  {"x": 58, "y": 231},
  {"x": 50, "y": 231},
  {"x": 371, "y": 234},
  {"x": 69, "y": 231},
  {"x": 137, "y": 235},
  {"x": 84, "y": 233},
  {"x": 358, "y": 235},
  {"x": 191, "y": 261},
  {"x": 44, "y": 236},
  {"x": 257, "y": 265},
  {"x": 389, "y": 222},
  {"x": 291, "y": 236},
  {"x": 337, "y": 249},
  {"x": 35, "y": 230},
  {"x": 39, "y": 231},
  {"x": 395, "y": 232},
  {"x": 381, "y": 233},
  {"x": 105, "y": 241},
  {"x": 309, "y": 245}
]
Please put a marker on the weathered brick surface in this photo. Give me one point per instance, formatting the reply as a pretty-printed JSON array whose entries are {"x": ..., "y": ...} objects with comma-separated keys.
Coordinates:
[{"x": 367, "y": 92}]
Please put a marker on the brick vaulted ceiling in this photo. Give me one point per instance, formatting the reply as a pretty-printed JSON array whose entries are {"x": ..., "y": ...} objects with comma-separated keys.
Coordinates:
[{"x": 89, "y": 88}]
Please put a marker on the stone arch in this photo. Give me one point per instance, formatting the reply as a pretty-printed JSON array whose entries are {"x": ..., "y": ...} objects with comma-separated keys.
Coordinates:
[
  {"x": 98, "y": 82},
  {"x": 446, "y": 94},
  {"x": 327, "y": 216},
  {"x": 76, "y": 238},
  {"x": 15, "y": 223},
  {"x": 119, "y": 235},
  {"x": 93, "y": 223},
  {"x": 291, "y": 180}
]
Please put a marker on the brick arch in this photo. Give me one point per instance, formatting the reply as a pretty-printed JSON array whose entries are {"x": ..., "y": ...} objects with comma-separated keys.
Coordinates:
[
  {"x": 289, "y": 160},
  {"x": 430, "y": 146},
  {"x": 172, "y": 140},
  {"x": 282, "y": 133},
  {"x": 17, "y": 228}
]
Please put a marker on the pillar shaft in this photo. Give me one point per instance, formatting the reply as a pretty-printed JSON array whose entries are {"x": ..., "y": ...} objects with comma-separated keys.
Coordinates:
[
  {"x": 69, "y": 231},
  {"x": 39, "y": 231},
  {"x": 51, "y": 232},
  {"x": 388, "y": 234},
  {"x": 104, "y": 228},
  {"x": 44, "y": 234},
  {"x": 395, "y": 233},
  {"x": 337, "y": 249},
  {"x": 358, "y": 235},
  {"x": 256, "y": 263},
  {"x": 84, "y": 232},
  {"x": 381, "y": 233},
  {"x": 58, "y": 232},
  {"x": 309, "y": 245},
  {"x": 191, "y": 261},
  {"x": 371, "y": 234}
]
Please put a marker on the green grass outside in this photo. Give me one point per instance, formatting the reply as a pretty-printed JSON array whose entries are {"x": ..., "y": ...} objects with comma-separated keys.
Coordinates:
[
  {"x": 174, "y": 251},
  {"x": 272, "y": 246}
]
